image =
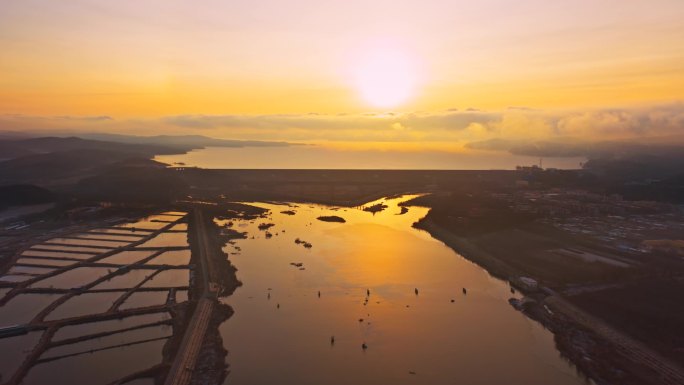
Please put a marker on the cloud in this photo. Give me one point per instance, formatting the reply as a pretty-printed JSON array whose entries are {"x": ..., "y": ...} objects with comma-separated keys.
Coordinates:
[
  {"x": 665, "y": 119},
  {"x": 514, "y": 122},
  {"x": 86, "y": 118},
  {"x": 435, "y": 122},
  {"x": 517, "y": 129},
  {"x": 565, "y": 148}
]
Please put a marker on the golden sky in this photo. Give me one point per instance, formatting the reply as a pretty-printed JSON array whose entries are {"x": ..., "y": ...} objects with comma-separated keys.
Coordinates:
[{"x": 147, "y": 60}]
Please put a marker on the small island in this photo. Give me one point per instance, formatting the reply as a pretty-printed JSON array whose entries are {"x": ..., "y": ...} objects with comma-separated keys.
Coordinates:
[
  {"x": 331, "y": 218},
  {"x": 303, "y": 243},
  {"x": 375, "y": 208},
  {"x": 265, "y": 226}
]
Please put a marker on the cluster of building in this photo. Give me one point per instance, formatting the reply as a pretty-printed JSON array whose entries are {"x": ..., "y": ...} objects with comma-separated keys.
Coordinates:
[
  {"x": 625, "y": 226},
  {"x": 570, "y": 203}
]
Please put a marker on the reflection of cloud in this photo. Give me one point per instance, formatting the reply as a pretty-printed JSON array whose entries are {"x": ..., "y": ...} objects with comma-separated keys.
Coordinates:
[{"x": 517, "y": 129}]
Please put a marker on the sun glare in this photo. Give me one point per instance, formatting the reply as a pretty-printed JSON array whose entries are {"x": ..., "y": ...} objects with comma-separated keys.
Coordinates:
[{"x": 385, "y": 77}]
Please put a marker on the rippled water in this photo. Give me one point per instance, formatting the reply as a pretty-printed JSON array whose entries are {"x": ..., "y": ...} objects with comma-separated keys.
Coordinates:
[{"x": 281, "y": 330}]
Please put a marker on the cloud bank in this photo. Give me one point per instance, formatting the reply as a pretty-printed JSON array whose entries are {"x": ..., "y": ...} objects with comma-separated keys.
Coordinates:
[{"x": 518, "y": 130}]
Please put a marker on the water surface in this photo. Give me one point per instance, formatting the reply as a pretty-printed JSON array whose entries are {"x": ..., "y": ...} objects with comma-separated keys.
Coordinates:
[
  {"x": 101, "y": 367},
  {"x": 103, "y": 359},
  {"x": 281, "y": 330},
  {"x": 321, "y": 157}
]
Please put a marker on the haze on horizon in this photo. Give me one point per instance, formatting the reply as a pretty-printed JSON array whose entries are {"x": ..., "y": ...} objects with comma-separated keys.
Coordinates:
[{"x": 412, "y": 76}]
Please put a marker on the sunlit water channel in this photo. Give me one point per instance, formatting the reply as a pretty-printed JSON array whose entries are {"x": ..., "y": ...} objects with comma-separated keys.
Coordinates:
[{"x": 281, "y": 330}]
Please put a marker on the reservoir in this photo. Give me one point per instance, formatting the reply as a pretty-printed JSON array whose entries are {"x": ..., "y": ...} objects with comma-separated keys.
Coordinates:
[{"x": 305, "y": 314}]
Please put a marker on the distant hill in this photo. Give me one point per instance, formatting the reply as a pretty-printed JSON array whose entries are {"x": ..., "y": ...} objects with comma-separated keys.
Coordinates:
[
  {"x": 124, "y": 182},
  {"x": 4, "y": 135},
  {"x": 51, "y": 160},
  {"x": 21, "y": 195},
  {"x": 63, "y": 167},
  {"x": 14, "y": 145},
  {"x": 15, "y": 148},
  {"x": 54, "y": 160}
]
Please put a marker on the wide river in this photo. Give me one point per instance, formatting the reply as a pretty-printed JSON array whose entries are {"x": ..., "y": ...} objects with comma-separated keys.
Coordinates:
[{"x": 281, "y": 330}]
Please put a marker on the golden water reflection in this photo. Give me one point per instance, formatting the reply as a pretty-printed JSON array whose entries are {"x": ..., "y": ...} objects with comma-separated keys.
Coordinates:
[{"x": 282, "y": 335}]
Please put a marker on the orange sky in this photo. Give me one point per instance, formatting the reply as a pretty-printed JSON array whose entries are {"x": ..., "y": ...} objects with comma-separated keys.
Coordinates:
[{"x": 147, "y": 60}]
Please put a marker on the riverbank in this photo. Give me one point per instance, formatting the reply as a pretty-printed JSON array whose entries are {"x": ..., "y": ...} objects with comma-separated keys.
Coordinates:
[
  {"x": 199, "y": 357},
  {"x": 604, "y": 355},
  {"x": 373, "y": 281}
]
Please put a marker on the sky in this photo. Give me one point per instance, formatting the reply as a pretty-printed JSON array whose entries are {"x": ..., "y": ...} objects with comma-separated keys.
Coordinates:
[{"x": 407, "y": 75}]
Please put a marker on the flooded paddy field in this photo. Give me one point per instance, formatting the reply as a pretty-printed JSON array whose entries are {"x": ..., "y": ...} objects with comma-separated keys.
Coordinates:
[
  {"x": 129, "y": 279},
  {"x": 110, "y": 237},
  {"x": 59, "y": 254},
  {"x": 83, "y": 305},
  {"x": 14, "y": 278},
  {"x": 45, "y": 261},
  {"x": 23, "y": 308},
  {"x": 32, "y": 270},
  {"x": 168, "y": 278},
  {"x": 72, "y": 249},
  {"x": 121, "y": 231},
  {"x": 168, "y": 240},
  {"x": 60, "y": 349},
  {"x": 107, "y": 242},
  {"x": 72, "y": 277},
  {"x": 101, "y": 367},
  {"x": 128, "y": 257},
  {"x": 180, "y": 227},
  {"x": 145, "y": 299},
  {"x": 370, "y": 300},
  {"x": 173, "y": 258},
  {"x": 75, "y": 331},
  {"x": 90, "y": 308},
  {"x": 17, "y": 346}
]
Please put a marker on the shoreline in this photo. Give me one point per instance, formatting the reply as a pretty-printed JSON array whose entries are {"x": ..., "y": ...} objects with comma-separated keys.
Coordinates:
[
  {"x": 587, "y": 342},
  {"x": 198, "y": 354}
]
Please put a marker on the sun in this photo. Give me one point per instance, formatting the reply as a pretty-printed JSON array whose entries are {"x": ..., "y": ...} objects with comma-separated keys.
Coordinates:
[{"x": 385, "y": 77}]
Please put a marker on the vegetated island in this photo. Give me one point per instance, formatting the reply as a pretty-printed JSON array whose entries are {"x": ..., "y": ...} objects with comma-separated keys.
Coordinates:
[
  {"x": 303, "y": 243},
  {"x": 228, "y": 234},
  {"x": 375, "y": 208},
  {"x": 331, "y": 218},
  {"x": 265, "y": 226},
  {"x": 288, "y": 212}
]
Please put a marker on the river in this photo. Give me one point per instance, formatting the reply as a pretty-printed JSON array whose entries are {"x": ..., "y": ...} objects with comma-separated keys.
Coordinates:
[{"x": 417, "y": 324}]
